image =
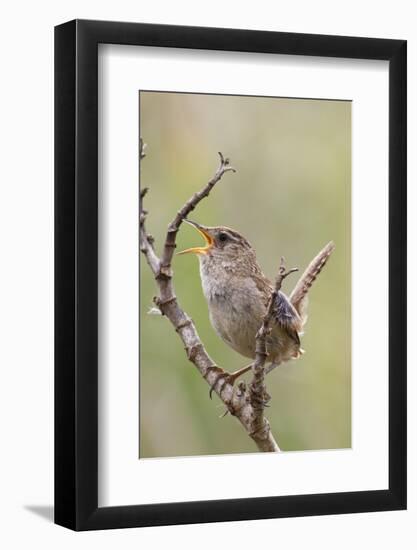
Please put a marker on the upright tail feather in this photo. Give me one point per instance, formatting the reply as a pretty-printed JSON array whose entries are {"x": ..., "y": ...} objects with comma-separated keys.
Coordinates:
[{"x": 298, "y": 296}]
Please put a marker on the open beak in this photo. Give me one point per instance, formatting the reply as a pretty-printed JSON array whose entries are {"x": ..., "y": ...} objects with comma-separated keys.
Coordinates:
[{"x": 207, "y": 237}]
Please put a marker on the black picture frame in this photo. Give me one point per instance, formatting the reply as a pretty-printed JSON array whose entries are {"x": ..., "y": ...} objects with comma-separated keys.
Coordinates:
[{"x": 76, "y": 271}]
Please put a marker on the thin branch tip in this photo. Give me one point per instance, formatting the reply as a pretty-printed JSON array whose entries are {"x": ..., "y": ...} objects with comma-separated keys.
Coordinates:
[
  {"x": 283, "y": 273},
  {"x": 142, "y": 147},
  {"x": 225, "y": 164}
]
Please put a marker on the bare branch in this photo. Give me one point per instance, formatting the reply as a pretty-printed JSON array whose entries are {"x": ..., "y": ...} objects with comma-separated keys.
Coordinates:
[
  {"x": 240, "y": 402},
  {"x": 257, "y": 388},
  {"x": 142, "y": 147},
  {"x": 145, "y": 239},
  {"x": 188, "y": 207}
]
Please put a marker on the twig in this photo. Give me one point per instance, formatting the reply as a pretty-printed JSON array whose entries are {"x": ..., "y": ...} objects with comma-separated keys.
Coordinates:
[
  {"x": 257, "y": 388},
  {"x": 239, "y": 403},
  {"x": 188, "y": 207}
]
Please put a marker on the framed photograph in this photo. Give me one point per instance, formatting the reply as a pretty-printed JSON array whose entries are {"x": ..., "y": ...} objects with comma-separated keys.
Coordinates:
[{"x": 230, "y": 253}]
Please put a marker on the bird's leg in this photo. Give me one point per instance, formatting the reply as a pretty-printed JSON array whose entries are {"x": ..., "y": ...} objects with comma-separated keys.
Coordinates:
[
  {"x": 270, "y": 367},
  {"x": 235, "y": 375},
  {"x": 229, "y": 378}
]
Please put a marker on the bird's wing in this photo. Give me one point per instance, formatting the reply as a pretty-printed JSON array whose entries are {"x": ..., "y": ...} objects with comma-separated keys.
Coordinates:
[{"x": 286, "y": 316}]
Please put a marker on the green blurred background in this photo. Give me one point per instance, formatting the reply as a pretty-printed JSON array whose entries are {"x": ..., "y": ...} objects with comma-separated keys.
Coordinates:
[{"x": 290, "y": 196}]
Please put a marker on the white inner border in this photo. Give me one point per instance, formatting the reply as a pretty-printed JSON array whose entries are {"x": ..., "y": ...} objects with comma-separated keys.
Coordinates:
[{"x": 123, "y": 479}]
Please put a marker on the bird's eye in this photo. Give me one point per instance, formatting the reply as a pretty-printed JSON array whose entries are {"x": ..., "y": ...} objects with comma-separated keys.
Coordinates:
[{"x": 223, "y": 237}]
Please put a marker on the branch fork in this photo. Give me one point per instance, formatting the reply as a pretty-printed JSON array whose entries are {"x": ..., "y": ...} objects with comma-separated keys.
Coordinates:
[{"x": 246, "y": 404}]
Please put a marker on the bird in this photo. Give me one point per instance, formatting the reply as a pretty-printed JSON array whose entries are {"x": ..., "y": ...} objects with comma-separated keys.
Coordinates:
[{"x": 237, "y": 293}]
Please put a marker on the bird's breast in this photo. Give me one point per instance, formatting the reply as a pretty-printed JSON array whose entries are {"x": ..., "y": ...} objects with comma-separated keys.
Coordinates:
[{"x": 236, "y": 310}]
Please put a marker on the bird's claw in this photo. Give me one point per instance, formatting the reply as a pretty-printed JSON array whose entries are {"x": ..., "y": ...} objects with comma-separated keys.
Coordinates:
[
  {"x": 226, "y": 376},
  {"x": 261, "y": 402},
  {"x": 221, "y": 376}
]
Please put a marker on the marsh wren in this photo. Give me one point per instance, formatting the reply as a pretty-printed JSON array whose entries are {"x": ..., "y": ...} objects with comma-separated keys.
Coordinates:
[{"x": 237, "y": 294}]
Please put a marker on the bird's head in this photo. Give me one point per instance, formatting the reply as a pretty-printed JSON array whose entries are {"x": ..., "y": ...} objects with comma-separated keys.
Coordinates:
[{"x": 221, "y": 244}]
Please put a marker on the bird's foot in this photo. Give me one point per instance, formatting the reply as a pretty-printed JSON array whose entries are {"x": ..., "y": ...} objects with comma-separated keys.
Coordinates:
[
  {"x": 228, "y": 378},
  {"x": 259, "y": 402},
  {"x": 220, "y": 374}
]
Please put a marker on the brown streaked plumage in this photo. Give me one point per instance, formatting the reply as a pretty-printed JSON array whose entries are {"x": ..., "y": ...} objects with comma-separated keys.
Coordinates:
[{"x": 237, "y": 294}]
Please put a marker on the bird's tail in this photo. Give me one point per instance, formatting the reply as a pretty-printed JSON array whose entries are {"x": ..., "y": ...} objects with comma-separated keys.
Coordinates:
[{"x": 298, "y": 296}]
